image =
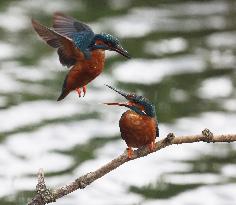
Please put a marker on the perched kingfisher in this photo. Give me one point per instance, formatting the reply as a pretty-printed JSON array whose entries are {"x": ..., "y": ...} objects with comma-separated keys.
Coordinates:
[
  {"x": 79, "y": 48},
  {"x": 138, "y": 126}
]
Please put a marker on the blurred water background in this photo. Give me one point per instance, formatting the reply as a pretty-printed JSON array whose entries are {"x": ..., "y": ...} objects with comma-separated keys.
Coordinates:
[{"x": 184, "y": 59}]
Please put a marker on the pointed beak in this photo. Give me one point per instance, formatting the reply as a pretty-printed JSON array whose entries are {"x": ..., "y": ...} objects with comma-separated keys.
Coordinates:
[
  {"x": 121, "y": 51},
  {"x": 118, "y": 91},
  {"x": 126, "y": 104}
]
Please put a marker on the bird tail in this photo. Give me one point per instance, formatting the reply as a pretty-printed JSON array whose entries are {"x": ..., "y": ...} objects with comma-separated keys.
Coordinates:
[{"x": 64, "y": 93}]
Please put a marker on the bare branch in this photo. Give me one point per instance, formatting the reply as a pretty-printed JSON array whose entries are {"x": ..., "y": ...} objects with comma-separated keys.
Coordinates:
[{"x": 45, "y": 196}]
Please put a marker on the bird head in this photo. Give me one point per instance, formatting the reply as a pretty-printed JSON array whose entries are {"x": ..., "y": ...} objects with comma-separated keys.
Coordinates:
[
  {"x": 106, "y": 41},
  {"x": 137, "y": 103}
]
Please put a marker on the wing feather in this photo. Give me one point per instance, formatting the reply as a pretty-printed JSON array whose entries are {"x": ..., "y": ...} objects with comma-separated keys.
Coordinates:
[
  {"x": 68, "y": 26},
  {"x": 67, "y": 50}
]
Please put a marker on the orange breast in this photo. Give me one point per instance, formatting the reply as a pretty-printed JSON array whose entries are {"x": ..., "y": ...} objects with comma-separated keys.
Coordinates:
[
  {"x": 85, "y": 71},
  {"x": 137, "y": 130},
  {"x": 96, "y": 64}
]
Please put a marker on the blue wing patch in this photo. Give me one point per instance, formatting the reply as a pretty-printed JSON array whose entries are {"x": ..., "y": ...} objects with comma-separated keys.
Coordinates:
[
  {"x": 81, "y": 34},
  {"x": 82, "y": 39}
]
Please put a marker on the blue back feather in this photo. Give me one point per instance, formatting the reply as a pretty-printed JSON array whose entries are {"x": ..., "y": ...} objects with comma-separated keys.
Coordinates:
[{"x": 82, "y": 39}]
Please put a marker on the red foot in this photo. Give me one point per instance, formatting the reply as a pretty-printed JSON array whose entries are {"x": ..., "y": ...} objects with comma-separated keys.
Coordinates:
[
  {"x": 84, "y": 90},
  {"x": 152, "y": 146},
  {"x": 130, "y": 152},
  {"x": 78, "y": 91}
]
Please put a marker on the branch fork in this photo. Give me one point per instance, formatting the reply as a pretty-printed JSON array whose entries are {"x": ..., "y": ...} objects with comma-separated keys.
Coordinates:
[{"x": 45, "y": 196}]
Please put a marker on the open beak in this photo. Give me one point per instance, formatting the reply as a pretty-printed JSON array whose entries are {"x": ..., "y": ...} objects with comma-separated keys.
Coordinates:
[
  {"x": 135, "y": 106},
  {"x": 121, "y": 51},
  {"x": 125, "y": 95},
  {"x": 126, "y": 104}
]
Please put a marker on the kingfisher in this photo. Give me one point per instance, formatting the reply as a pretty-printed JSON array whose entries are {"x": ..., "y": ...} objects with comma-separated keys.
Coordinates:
[
  {"x": 138, "y": 125},
  {"x": 78, "y": 48}
]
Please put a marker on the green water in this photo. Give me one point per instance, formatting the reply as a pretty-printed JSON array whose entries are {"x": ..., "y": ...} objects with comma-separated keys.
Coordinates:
[{"x": 208, "y": 30}]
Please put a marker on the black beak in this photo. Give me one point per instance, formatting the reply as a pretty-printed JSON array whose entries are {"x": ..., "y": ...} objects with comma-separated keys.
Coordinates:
[
  {"x": 118, "y": 91},
  {"x": 130, "y": 104},
  {"x": 121, "y": 51},
  {"x": 126, "y": 104}
]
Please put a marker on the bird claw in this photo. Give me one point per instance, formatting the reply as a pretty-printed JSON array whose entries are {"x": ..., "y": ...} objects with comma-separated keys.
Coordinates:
[
  {"x": 84, "y": 90},
  {"x": 78, "y": 90},
  {"x": 152, "y": 146},
  {"x": 129, "y": 152}
]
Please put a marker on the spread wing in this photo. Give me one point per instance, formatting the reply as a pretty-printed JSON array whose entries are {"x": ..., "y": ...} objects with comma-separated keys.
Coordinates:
[
  {"x": 80, "y": 33},
  {"x": 67, "y": 25},
  {"x": 66, "y": 48}
]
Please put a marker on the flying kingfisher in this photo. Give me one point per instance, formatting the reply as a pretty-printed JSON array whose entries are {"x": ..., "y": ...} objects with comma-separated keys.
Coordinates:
[
  {"x": 79, "y": 48},
  {"x": 138, "y": 126}
]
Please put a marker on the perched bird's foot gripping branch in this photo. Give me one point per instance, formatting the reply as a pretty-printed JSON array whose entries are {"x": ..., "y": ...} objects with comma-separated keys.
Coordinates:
[
  {"x": 44, "y": 195},
  {"x": 138, "y": 125}
]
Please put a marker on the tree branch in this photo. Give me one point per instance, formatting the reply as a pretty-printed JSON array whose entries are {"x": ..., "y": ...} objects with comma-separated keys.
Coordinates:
[{"x": 45, "y": 196}]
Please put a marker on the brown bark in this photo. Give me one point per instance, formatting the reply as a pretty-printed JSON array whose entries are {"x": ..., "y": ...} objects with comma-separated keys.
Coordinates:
[{"x": 45, "y": 196}]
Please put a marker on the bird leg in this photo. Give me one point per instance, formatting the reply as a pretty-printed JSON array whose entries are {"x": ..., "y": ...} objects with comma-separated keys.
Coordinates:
[
  {"x": 151, "y": 146},
  {"x": 84, "y": 90},
  {"x": 78, "y": 91},
  {"x": 130, "y": 152}
]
